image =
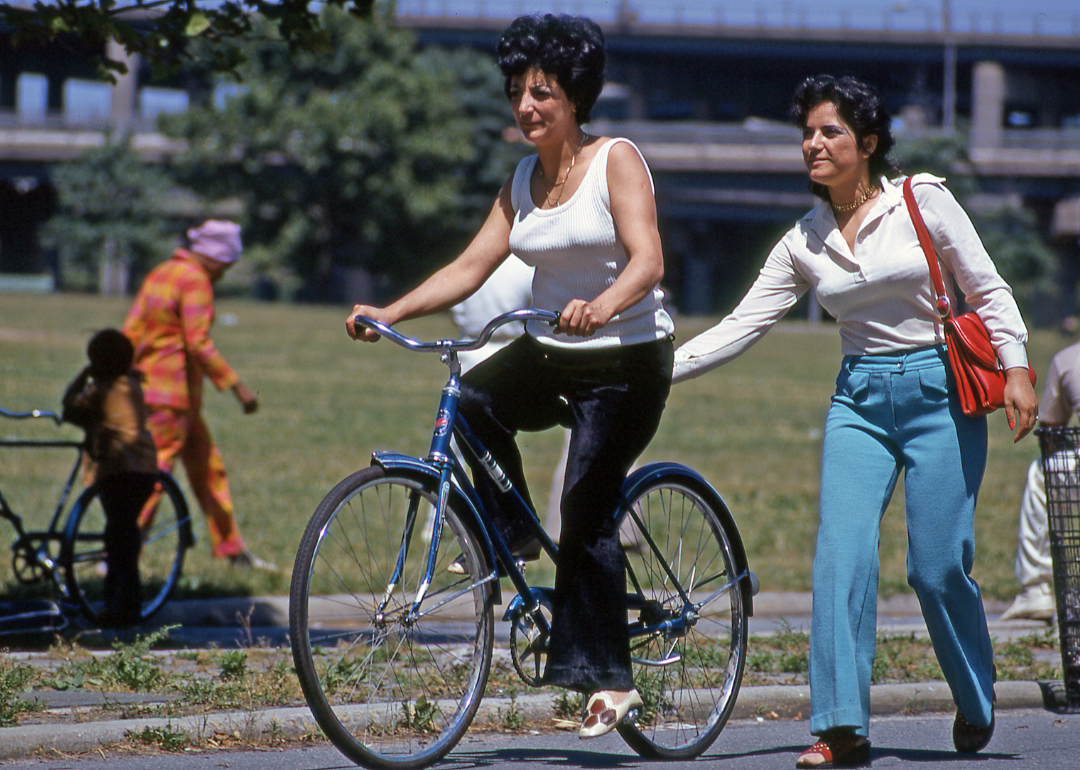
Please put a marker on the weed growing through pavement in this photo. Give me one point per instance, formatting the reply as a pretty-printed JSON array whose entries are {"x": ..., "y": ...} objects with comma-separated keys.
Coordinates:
[
  {"x": 569, "y": 705},
  {"x": 14, "y": 678},
  {"x": 787, "y": 651},
  {"x": 233, "y": 664},
  {"x": 130, "y": 667},
  {"x": 512, "y": 718},
  {"x": 165, "y": 738},
  {"x": 783, "y": 657}
]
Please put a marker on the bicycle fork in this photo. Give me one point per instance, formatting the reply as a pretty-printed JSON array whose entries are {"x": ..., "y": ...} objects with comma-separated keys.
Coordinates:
[{"x": 439, "y": 457}]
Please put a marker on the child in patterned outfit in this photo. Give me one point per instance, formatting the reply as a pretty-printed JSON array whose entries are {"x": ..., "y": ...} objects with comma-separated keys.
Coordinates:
[{"x": 106, "y": 400}]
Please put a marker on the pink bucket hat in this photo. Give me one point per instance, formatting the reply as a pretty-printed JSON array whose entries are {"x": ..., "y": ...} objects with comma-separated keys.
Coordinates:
[{"x": 217, "y": 239}]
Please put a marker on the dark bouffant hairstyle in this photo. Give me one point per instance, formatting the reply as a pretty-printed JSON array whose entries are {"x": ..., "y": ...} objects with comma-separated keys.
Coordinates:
[
  {"x": 571, "y": 48},
  {"x": 861, "y": 107},
  {"x": 111, "y": 354}
]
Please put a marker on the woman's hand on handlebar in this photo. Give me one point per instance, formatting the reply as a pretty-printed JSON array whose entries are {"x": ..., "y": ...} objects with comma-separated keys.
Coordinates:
[
  {"x": 360, "y": 332},
  {"x": 581, "y": 319}
]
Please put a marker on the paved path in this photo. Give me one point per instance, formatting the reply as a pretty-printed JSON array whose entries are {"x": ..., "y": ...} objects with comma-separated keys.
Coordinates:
[{"x": 263, "y": 621}]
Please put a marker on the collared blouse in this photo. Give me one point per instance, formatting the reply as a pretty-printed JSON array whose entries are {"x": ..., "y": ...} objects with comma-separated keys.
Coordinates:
[{"x": 880, "y": 294}]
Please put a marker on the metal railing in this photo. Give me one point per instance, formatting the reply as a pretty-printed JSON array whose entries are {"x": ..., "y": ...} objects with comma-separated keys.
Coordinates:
[
  {"x": 750, "y": 132},
  {"x": 53, "y": 120},
  {"x": 802, "y": 14}
]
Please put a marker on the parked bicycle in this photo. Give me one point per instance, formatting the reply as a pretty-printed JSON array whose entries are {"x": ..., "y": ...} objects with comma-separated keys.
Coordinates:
[
  {"x": 71, "y": 551},
  {"x": 393, "y": 650}
]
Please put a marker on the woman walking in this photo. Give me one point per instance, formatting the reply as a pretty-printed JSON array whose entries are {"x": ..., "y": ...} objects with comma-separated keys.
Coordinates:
[{"x": 892, "y": 410}]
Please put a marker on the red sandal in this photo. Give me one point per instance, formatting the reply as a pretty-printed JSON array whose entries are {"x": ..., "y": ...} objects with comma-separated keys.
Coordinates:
[{"x": 839, "y": 750}]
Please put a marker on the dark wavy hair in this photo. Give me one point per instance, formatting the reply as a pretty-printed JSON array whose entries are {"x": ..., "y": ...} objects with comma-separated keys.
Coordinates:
[
  {"x": 861, "y": 106},
  {"x": 570, "y": 48}
]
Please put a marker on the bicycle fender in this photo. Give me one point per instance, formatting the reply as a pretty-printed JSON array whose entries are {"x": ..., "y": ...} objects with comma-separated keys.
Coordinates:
[
  {"x": 415, "y": 466},
  {"x": 672, "y": 471}
]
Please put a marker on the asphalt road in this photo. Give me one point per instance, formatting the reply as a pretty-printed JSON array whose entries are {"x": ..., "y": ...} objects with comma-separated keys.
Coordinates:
[{"x": 1024, "y": 740}]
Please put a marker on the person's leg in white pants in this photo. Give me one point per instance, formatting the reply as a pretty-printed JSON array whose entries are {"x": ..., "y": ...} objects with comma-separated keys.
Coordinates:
[{"x": 1034, "y": 568}]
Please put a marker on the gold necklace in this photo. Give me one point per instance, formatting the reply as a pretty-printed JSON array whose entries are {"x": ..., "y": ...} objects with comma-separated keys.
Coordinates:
[
  {"x": 845, "y": 208},
  {"x": 561, "y": 185}
]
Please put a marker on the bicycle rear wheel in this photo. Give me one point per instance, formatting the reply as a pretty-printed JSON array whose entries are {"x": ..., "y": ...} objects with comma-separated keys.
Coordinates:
[
  {"x": 161, "y": 560},
  {"x": 681, "y": 561},
  {"x": 390, "y": 687}
]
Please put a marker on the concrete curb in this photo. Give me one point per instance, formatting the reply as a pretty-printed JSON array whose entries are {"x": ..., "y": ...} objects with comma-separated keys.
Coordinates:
[
  {"x": 769, "y": 702},
  {"x": 254, "y": 613}
]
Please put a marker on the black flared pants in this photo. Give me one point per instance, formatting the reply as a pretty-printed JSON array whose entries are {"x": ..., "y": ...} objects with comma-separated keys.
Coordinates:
[{"x": 611, "y": 399}]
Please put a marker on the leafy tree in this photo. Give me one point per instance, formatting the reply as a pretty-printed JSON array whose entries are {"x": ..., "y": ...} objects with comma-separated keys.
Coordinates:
[
  {"x": 160, "y": 30},
  {"x": 108, "y": 222},
  {"x": 376, "y": 157}
]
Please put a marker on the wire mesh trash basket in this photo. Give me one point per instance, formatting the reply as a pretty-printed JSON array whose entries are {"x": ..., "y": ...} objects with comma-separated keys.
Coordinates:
[{"x": 1061, "y": 470}]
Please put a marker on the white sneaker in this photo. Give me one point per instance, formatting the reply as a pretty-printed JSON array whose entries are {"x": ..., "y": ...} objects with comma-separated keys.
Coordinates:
[
  {"x": 1035, "y": 602},
  {"x": 248, "y": 560}
]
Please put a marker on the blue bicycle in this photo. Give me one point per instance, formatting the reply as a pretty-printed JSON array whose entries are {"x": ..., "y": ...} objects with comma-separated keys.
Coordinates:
[
  {"x": 71, "y": 552},
  {"x": 393, "y": 646}
]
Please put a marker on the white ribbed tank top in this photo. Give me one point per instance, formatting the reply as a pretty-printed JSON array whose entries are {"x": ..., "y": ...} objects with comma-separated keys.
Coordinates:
[{"x": 578, "y": 254}]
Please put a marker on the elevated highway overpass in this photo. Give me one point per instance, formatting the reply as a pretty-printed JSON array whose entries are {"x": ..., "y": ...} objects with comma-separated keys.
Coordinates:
[{"x": 706, "y": 103}]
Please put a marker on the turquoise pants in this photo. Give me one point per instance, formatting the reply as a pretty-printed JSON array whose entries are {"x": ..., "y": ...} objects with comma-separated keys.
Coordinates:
[{"x": 891, "y": 413}]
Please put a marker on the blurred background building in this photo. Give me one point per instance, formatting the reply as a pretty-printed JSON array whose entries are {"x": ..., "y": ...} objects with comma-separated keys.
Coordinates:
[{"x": 701, "y": 86}]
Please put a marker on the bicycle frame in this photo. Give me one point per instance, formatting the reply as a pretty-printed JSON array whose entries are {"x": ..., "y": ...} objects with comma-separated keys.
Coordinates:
[
  {"x": 443, "y": 465},
  {"x": 37, "y": 541}
]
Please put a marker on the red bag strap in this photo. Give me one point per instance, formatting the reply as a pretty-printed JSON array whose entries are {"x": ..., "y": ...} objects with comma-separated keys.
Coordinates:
[{"x": 943, "y": 306}]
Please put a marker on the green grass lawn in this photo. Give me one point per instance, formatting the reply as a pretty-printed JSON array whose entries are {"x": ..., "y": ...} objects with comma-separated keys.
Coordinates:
[{"x": 752, "y": 428}]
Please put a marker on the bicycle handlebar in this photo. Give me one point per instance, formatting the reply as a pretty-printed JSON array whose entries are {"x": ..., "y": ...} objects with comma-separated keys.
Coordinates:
[
  {"x": 527, "y": 314},
  {"x": 34, "y": 413}
]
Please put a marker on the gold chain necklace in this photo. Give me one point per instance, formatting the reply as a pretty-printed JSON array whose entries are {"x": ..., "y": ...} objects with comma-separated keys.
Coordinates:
[
  {"x": 561, "y": 185},
  {"x": 845, "y": 208}
]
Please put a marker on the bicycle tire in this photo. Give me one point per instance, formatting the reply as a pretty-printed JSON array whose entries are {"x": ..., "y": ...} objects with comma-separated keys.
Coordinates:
[
  {"x": 161, "y": 560},
  {"x": 688, "y": 679},
  {"x": 389, "y": 691}
]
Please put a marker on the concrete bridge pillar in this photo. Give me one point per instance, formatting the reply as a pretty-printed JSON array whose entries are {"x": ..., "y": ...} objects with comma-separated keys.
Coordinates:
[
  {"x": 988, "y": 104},
  {"x": 125, "y": 92}
]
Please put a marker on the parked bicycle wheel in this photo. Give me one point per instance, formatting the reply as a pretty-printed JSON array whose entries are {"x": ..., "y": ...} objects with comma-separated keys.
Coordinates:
[
  {"x": 391, "y": 687},
  {"x": 681, "y": 561},
  {"x": 161, "y": 560}
]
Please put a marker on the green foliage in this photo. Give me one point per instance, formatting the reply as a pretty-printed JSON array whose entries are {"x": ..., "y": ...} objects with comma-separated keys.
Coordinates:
[
  {"x": 374, "y": 155},
  {"x": 108, "y": 213},
  {"x": 166, "y": 737},
  {"x": 568, "y": 704},
  {"x": 130, "y": 667},
  {"x": 942, "y": 155},
  {"x": 160, "y": 31},
  {"x": 234, "y": 664},
  {"x": 512, "y": 718},
  {"x": 1012, "y": 238},
  {"x": 14, "y": 678}
]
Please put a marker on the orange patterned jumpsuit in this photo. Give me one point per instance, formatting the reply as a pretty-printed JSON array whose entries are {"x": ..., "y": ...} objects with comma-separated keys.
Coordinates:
[{"x": 169, "y": 325}]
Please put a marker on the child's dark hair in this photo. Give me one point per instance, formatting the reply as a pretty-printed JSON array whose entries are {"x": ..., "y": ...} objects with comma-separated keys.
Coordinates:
[{"x": 111, "y": 354}]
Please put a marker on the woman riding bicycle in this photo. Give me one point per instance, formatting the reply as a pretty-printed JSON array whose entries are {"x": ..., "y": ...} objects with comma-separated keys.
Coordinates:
[{"x": 582, "y": 212}]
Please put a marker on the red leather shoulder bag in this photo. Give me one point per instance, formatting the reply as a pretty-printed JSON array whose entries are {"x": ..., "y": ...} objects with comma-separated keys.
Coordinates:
[{"x": 976, "y": 371}]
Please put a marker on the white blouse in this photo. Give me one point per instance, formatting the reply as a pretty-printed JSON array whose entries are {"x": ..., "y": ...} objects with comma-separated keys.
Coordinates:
[{"x": 881, "y": 295}]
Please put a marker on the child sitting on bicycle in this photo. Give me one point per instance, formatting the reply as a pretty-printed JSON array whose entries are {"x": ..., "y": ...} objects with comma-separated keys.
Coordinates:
[{"x": 106, "y": 400}]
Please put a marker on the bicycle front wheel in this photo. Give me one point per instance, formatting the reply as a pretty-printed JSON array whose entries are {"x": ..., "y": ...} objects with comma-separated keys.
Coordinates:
[
  {"x": 688, "y": 642},
  {"x": 164, "y": 540},
  {"x": 392, "y": 684}
]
